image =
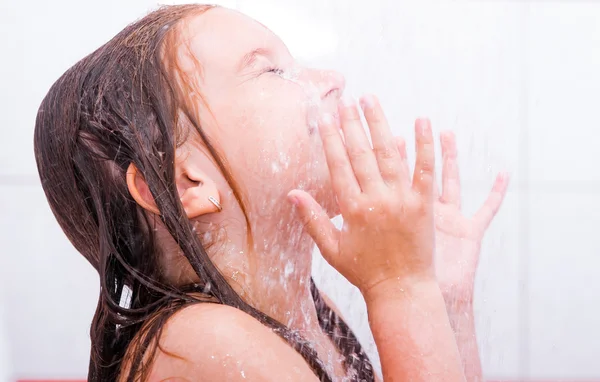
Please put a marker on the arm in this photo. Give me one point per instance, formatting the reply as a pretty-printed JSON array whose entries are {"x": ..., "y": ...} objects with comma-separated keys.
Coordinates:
[
  {"x": 412, "y": 333},
  {"x": 386, "y": 245},
  {"x": 462, "y": 321},
  {"x": 458, "y": 244},
  {"x": 464, "y": 329}
]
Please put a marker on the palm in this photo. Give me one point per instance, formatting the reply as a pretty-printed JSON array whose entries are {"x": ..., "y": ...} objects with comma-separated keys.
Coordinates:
[
  {"x": 458, "y": 238},
  {"x": 457, "y": 249}
]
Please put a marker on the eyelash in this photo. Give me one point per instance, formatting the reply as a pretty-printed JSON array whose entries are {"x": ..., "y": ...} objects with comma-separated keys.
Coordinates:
[{"x": 274, "y": 70}]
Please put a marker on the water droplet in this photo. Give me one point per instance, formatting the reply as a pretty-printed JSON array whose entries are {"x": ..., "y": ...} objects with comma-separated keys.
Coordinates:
[
  {"x": 289, "y": 269},
  {"x": 275, "y": 167}
]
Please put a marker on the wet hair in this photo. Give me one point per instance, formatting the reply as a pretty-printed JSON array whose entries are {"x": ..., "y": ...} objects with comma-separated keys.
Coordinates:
[{"x": 121, "y": 105}]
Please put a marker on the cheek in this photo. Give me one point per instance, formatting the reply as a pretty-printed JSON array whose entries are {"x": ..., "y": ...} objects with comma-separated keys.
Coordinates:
[
  {"x": 278, "y": 121},
  {"x": 272, "y": 137},
  {"x": 267, "y": 146}
]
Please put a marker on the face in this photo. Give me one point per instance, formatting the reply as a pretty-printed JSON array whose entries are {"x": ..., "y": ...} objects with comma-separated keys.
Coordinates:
[{"x": 260, "y": 107}]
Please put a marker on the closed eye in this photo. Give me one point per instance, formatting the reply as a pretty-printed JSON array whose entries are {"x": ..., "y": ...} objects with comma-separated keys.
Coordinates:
[{"x": 274, "y": 70}]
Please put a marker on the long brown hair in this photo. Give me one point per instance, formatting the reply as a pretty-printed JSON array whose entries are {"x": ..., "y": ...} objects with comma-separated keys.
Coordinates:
[{"x": 117, "y": 106}]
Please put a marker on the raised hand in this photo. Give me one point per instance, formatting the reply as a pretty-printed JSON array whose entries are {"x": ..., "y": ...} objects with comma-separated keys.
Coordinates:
[
  {"x": 388, "y": 218},
  {"x": 385, "y": 247},
  {"x": 458, "y": 237}
]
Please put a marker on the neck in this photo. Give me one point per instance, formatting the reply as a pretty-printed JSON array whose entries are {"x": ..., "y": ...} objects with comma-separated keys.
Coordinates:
[{"x": 273, "y": 273}]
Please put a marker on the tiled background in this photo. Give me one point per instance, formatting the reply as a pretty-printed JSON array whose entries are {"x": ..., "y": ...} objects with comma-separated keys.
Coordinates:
[{"x": 518, "y": 81}]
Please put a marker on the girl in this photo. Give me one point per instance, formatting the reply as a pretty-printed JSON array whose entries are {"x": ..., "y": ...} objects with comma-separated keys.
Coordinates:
[{"x": 194, "y": 163}]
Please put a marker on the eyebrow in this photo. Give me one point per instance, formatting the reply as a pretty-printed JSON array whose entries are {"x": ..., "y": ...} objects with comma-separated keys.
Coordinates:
[{"x": 250, "y": 58}]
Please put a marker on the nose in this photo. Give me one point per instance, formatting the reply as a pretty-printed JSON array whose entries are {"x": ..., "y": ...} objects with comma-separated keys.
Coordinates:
[{"x": 330, "y": 83}]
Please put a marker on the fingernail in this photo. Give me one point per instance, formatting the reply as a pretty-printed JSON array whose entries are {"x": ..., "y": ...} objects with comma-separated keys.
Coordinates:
[
  {"x": 367, "y": 101},
  {"x": 294, "y": 200},
  {"x": 425, "y": 126}
]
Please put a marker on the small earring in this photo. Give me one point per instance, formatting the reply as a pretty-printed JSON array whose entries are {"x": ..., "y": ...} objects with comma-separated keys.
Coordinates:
[{"x": 216, "y": 203}]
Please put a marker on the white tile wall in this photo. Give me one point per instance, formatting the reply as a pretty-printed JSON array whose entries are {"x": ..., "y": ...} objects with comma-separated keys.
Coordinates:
[
  {"x": 564, "y": 101},
  {"x": 516, "y": 80},
  {"x": 563, "y": 285},
  {"x": 563, "y": 122},
  {"x": 50, "y": 291},
  {"x": 43, "y": 39},
  {"x": 5, "y": 357}
]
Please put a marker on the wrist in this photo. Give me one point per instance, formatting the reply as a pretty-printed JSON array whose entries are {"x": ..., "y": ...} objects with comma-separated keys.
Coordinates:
[
  {"x": 458, "y": 302},
  {"x": 400, "y": 288},
  {"x": 461, "y": 316}
]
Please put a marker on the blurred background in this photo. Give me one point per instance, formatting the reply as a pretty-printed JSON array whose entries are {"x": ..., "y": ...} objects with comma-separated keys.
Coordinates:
[{"x": 518, "y": 81}]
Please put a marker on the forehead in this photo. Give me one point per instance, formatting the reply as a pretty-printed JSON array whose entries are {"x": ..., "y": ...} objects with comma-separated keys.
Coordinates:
[{"x": 220, "y": 37}]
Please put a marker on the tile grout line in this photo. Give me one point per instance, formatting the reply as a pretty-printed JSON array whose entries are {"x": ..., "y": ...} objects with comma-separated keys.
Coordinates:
[{"x": 524, "y": 192}]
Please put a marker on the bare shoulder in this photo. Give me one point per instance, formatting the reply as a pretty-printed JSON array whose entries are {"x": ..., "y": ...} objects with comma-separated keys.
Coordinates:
[{"x": 220, "y": 343}]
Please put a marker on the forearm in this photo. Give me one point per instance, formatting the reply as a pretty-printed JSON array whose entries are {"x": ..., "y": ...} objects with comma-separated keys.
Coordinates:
[
  {"x": 462, "y": 321},
  {"x": 413, "y": 334}
]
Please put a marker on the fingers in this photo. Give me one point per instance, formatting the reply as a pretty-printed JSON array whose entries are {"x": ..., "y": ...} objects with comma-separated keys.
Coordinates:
[
  {"x": 450, "y": 175},
  {"x": 358, "y": 147},
  {"x": 317, "y": 224},
  {"x": 404, "y": 170},
  {"x": 342, "y": 176},
  {"x": 491, "y": 206},
  {"x": 384, "y": 145},
  {"x": 423, "y": 178}
]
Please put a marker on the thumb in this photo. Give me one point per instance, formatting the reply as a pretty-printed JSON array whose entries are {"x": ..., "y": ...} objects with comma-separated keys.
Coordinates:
[{"x": 317, "y": 224}]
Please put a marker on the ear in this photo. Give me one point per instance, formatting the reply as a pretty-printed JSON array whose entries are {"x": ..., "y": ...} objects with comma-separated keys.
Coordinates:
[
  {"x": 139, "y": 190},
  {"x": 198, "y": 193}
]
